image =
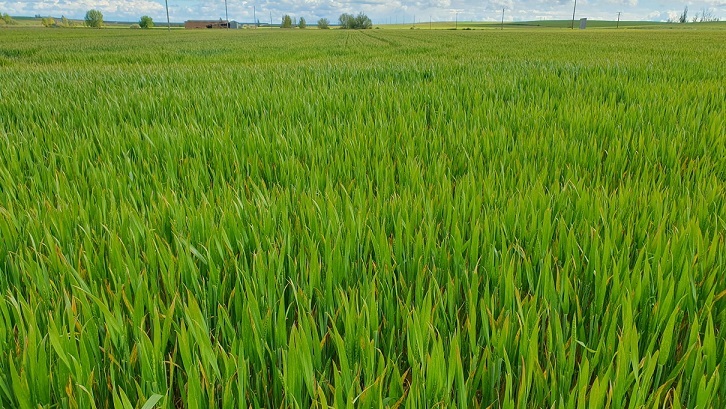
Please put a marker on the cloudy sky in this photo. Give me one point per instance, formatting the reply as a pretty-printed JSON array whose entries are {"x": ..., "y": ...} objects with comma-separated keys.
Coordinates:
[{"x": 379, "y": 11}]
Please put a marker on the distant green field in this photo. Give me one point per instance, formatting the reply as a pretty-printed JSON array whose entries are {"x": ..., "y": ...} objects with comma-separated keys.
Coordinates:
[
  {"x": 447, "y": 25},
  {"x": 381, "y": 218},
  {"x": 472, "y": 25}
]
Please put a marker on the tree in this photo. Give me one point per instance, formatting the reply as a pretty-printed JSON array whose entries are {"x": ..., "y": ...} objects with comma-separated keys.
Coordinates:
[
  {"x": 684, "y": 16},
  {"x": 48, "y": 22},
  {"x": 65, "y": 22},
  {"x": 286, "y": 22},
  {"x": 8, "y": 20},
  {"x": 706, "y": 15},
  {"x": 146, "y": 22},
  {"x": 363, "y": 22},
  {"x": 323, "y": 24},
  {"x": 302, "y": 23},
  {"x": 94, "y": 18},
  {"x": 359, "y": 22},
  {"x": 346, "y": 20}
]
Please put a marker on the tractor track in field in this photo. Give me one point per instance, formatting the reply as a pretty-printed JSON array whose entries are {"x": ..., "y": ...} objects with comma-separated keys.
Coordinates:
[{"x": 383, "y": 40}]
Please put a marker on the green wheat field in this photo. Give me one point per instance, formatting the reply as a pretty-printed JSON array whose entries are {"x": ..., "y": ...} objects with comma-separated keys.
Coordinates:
[{"x": 364, "y": 219}]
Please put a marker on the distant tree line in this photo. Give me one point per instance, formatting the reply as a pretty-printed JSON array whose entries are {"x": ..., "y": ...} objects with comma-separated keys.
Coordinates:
[
  {"x": 359, "y": 22},
  {"x": 50, "y": 22},
  {"x": 289, "y": 22},
  {"x": 347, "y": 21},
  {"x": 94, "y": 18},
  {"x": 705, "y": 15}
]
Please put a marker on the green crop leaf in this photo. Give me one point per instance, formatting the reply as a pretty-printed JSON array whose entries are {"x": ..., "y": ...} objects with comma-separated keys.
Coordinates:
[{"x": 152, "y": 401}]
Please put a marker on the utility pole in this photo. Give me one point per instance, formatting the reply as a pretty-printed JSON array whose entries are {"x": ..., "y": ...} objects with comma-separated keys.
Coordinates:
[
  {"x": 226, "y": 14},
  {"x": 618, "y": 25},
  {"x": 254, "y": 15},
  {"x": 502, "y": 18},
  {"x": 573, "y": 15},
  {"x": 456, "y": 23},
  {"x": 270, "y": 19},
  {"x": 168, "y": 24}
]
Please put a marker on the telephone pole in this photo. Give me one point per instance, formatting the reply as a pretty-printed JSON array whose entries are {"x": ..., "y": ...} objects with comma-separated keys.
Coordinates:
[
  {"x": 226, "y": 14},
  {"x": 618, "y": 25},
  {"x": 168, "y": 24},
  {"x": 502, "y": 18},
  {"x": 573, "y": 15}
]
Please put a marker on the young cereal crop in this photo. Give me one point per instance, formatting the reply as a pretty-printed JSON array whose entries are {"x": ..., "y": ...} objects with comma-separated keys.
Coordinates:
[{"x": 230, "y": 219}]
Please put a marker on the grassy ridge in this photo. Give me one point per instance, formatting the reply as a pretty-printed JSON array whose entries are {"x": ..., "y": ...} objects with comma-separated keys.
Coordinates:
[{"x": 378, "y": 218}]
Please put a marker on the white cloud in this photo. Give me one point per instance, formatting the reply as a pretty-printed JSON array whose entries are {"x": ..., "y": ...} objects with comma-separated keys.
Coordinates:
[
  {"x": 111, "y": 9},
  {"x": 631, "y": 3}
]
